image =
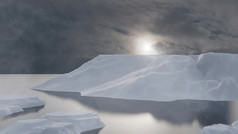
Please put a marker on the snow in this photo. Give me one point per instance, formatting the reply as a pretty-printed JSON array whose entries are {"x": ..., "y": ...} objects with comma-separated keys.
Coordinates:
[
  {"x": 57, "y": 123},
  {"x": 10, "y": 104},
  {"x": 209, "y": 76},
  {"x": 221, "y": 129}
]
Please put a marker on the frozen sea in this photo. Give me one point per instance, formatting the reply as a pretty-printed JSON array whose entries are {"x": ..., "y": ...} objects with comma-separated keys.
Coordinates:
[{"x": 122, "y": 116}]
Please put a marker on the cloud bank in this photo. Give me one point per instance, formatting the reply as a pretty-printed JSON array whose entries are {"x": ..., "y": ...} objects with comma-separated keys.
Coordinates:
[{"x": 57, "y": 36}]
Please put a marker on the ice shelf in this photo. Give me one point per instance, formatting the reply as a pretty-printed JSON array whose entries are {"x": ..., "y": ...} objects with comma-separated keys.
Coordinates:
[{"x": 209, "y": 76}]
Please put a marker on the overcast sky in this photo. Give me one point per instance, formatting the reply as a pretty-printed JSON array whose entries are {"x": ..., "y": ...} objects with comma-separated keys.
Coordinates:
[{"x": 57, "y": 36}]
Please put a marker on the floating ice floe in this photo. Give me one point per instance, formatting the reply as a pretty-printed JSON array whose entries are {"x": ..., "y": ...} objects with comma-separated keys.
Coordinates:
[
  {"x": 221, "y": 129},
  {"x": 57, "y": 123},
  {"x": 10, "y": 104},
  {"x": 209, "y": 76}
]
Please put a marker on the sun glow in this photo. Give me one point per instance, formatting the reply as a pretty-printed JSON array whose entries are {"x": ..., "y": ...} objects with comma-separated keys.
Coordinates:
[{"x": 145, "y": 46}]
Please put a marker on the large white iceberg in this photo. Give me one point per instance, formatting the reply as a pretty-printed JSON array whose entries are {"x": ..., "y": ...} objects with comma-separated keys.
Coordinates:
[
  {"x": 221, "y": 129},
  {"x": 10, "y": 104},
  {"x": 57, "y": 123},
  {"x": 209, "y": 76}
]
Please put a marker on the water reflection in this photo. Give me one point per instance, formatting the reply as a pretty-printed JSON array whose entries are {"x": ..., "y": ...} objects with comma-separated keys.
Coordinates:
[{"x": 177, "y": 112}]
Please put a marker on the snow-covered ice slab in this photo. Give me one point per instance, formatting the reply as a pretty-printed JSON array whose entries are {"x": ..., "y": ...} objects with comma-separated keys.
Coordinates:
[
  {"x": 57, "y": 123},
  {"x": 209, "y": 76},
  {"x": 10, "y": 104},
  {"x": 7, "y": 110},
  {"x": 221, "y": 129}
]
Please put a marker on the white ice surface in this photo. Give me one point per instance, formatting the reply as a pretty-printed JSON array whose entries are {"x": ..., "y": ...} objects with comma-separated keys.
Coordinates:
[
  {"x": 209, "y": 76},
  {"x": 221, "y": 129},
  {"x": 57, "y": 123},
  {"x": 10, "y": 104}
]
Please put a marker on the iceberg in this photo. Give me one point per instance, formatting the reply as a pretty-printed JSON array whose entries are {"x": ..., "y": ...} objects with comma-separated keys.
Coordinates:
[
  {"x": 57, "y": 123},
  {"x": 10, "y": 104},
  {"x": 209, "y": 76},
  {"x": 221, "y": 129}
]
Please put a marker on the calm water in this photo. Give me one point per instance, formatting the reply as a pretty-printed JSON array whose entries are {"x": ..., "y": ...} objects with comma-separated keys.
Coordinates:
[{"x": 122, "y": 116}]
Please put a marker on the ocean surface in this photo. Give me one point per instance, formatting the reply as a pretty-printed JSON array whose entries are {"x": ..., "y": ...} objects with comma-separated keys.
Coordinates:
[{"x": 121, "y": 116}]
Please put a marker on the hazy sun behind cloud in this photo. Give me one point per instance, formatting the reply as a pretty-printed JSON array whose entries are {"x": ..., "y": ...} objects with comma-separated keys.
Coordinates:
[{"x": 145, "y": 45}]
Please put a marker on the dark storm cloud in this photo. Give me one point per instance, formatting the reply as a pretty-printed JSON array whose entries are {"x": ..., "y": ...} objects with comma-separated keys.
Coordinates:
[{"x": 49, "y": 36}]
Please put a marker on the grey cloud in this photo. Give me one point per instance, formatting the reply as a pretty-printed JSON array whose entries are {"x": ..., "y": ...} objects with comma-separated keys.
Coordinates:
[
  {"x": 204, "y": 25},
  {"x": 174, "y": 48},
  {"x": 176, "y": 23},
  {"x": 116, "y": 29},
  {"x": 55, "y": 37}
]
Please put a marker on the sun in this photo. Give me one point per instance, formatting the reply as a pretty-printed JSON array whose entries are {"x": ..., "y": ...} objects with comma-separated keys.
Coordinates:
[{"x": 145, "y": 46}]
